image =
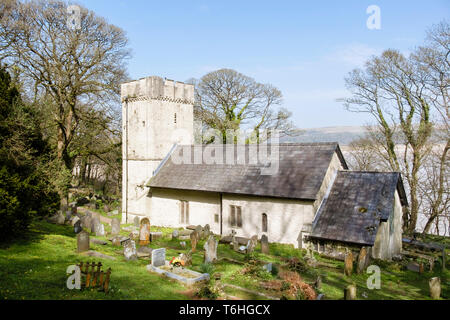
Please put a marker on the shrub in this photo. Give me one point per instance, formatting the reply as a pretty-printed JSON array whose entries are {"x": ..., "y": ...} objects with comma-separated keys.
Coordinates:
[
  {"x": 206, "y": 291},
  {"x": 295, "y": 264},
  {"x": 207, "y": 268}
]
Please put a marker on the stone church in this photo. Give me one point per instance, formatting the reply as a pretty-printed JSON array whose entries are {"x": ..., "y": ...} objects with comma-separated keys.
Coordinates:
[{"x": 312, "y": 199}]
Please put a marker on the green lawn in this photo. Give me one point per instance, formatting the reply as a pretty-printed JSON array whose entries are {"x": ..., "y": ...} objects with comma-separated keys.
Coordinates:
[{"x": 35, "y": 268}]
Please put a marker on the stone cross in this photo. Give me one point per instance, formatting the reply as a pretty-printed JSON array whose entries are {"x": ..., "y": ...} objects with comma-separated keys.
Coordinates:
[
  {"x": 264, "y": 244},
  {"x": 210, "y": 247},
  {"x": 82, "y": 241},
  {"x": 159, "y": 257},
  {"x": 115, "y": 226}
]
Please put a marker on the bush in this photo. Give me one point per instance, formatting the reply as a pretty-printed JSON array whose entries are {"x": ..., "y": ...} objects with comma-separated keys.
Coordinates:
[
  {"x": 207, "y": 268},
  {"x": 25, "y": 186},
  {"x": 295, "y": 264},
  {"x": 206, "y": 291}
]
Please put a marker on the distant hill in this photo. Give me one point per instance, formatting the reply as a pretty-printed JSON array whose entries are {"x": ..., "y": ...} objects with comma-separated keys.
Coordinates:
[{"x": 343, "y": 135}]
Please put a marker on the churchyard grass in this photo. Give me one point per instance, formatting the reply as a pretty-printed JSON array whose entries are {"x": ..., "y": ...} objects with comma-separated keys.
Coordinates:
[{"x": 34, "y": 267}]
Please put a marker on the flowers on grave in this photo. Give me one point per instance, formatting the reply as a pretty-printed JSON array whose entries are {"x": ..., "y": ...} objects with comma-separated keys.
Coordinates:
[{"x": 177, "y": 262}]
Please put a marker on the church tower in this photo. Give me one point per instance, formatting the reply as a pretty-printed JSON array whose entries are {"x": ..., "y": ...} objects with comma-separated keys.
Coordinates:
[{"x": 156, "y": 114}]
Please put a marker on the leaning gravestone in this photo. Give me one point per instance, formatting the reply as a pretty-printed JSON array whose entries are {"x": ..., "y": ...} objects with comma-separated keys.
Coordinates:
[
  {"x": 264, "y": 244},
  {"x": 194, "y": 239},
  {"x": 363, "y": 260},
  {"x": 159, "y": 257},
  {"x": 129, "y": 250},
  {"x": 435, "y": 287},
  {"x": 348, "y": 264},
  {"x": 175, "y": 234},
  {"x": 82, "y": 241},
  {"x": 210, "y": 247},
  {"x": 144, "y": 232},
  {"x": 115, "y": 226}
]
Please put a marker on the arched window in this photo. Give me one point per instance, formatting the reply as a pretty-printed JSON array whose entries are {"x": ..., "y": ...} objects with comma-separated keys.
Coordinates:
[{"x": 264, "y": 222}]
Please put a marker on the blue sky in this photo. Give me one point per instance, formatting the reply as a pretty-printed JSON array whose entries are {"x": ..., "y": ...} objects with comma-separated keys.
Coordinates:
[{"x": 303, "y": 48}]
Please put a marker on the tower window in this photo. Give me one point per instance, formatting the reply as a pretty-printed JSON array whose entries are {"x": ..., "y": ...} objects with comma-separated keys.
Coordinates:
[{"x": 174, "y": 118}]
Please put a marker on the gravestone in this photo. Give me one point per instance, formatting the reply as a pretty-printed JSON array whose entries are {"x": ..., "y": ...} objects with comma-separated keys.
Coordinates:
[
  {"x": 129, "y": 250},
  {"x": 144, "y": 232},
  {"x": 210, "y": 247},
  {"x": 264, "y": 244},
  {"x": 68, "y": 215},
  {"x": 74, "y": 220},
  {"x": 435, "y": 287},
  {"x": 348, "y": 264},
  {"x": 86, "y": 222},
  {"x": 363, "y": 260},
  {"x": 155, "y": 235},
  {"x": 186, "y": 258},
  {"x": 183, "y": 244},
  {"x": 113, "y": 213},
  {"x": 159, "y": 257},
  {"x": 82, "y": 241},
  {"x": 77, "y": 227},
  {"x": 116, "y": 241},
  {"x": 199, "y": 230},
  {"x": 251, "y": 244},
  {"x": 134, "y": 234},
  {"x": 115, "y": 226},
  {"x": 144, "y": 252},
  {"x": 350, "y": 292},
  {"x": 206, "y": 230},
  {"x": 318, "y": 283},
  {"x": 175, "y": 234},
  {"x": 98, "y": 228},
  {"x": 268, "y": 267},
  {"x": 106, "y": 208},
  {"x": 59, "y": 219},
  {"x": 194, "y": 239},
  {"x": 413, "y": 266},
  {"x": 136, "y": 221}
]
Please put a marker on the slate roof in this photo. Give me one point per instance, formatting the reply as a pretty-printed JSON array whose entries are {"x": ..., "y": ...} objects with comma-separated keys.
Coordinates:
[
  {"x": 302, "y": 168},
  {"x": 357, "y": 203}
]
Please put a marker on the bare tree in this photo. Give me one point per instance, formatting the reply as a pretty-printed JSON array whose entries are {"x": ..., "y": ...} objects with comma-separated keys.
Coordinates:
[
  {"x": 408, "y": 98},
  {"x": 74, "y": 67},
  {"x": 229, "y": 100}
]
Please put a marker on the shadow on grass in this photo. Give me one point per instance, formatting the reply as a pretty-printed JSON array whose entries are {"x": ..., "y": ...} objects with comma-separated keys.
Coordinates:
[{"x": 36, "y": 232}]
